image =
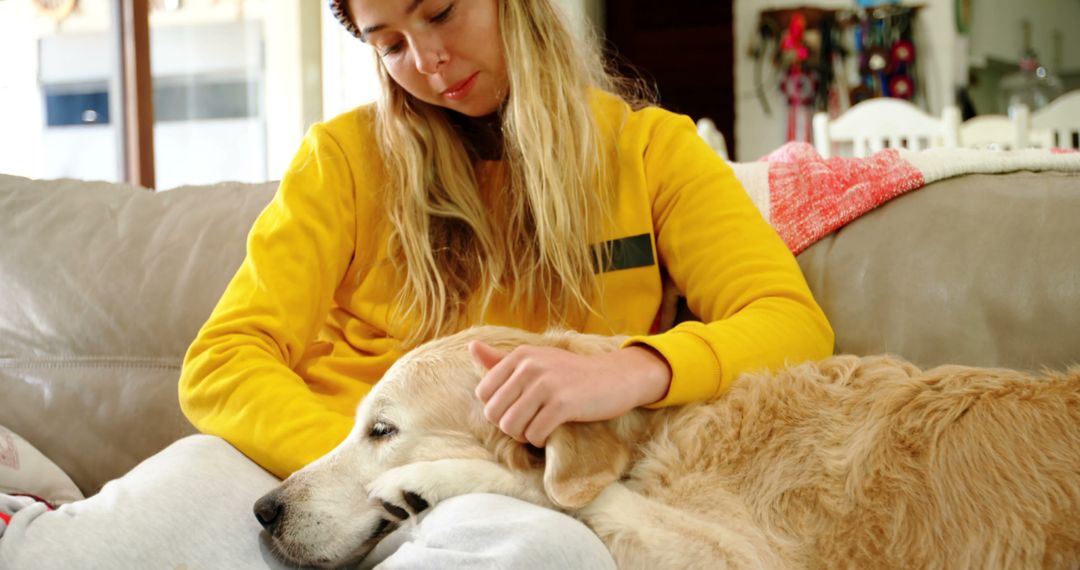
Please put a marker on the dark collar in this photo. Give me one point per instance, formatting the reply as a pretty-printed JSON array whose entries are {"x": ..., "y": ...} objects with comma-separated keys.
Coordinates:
[{"x": 483, "y": 135}]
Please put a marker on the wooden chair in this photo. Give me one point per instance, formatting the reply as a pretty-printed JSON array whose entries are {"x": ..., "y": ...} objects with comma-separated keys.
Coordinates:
[
  {"x": 1058, "y": 124},
  {"x": 712, "y": 135},
  {"x": 876, "y": 124}
]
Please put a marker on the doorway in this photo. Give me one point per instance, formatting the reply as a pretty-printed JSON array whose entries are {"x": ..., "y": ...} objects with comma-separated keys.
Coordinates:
[{"x": 683, "y": 47}]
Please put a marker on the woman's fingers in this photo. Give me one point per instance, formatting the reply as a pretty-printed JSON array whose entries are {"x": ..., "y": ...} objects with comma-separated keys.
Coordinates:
[
  {"x": 522, "y": 391},
  {"x": 531, "y": 391},
  {"x": 504, "y": 397},
  {"x": 485, "y": 354},
  {"x": 518, "y": 416},
  {"x": 543, "y": 423},
  {"x": 499, "y": 369}
]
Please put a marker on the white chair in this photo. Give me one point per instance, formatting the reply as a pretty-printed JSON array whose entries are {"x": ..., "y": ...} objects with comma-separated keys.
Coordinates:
[
  {"x": 996, "y": 132},
  {"x": 1057, "y": 124},
  {"x": 876, "y": 124},
  {"x": 712, "y": 135}
]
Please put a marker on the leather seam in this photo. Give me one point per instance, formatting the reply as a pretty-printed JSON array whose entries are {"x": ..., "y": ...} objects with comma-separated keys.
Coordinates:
[{"x": 90, "y": 362}]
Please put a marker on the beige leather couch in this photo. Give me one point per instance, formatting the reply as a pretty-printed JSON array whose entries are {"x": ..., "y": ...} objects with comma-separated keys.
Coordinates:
[{"x": 102, "y": 287}]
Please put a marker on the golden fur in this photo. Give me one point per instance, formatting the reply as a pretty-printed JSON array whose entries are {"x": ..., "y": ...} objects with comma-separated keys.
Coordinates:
[{"x": 845, "y": 463}]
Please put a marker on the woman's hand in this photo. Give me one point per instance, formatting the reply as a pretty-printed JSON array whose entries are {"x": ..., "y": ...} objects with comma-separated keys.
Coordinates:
[{"x": 533, "y": 390}]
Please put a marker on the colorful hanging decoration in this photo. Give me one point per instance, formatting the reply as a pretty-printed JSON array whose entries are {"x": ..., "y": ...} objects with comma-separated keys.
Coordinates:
[
  {"x": 886, "y": 51},
  {"x": 810, "y": 48},
  {"x": 800, "y": 84},
  {"x": 805, "y": 47}
]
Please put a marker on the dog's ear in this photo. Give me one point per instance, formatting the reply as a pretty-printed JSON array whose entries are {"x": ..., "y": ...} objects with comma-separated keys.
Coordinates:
[
  {"x": 581, "y": 459},
  {"x": 513, "y": 455}
]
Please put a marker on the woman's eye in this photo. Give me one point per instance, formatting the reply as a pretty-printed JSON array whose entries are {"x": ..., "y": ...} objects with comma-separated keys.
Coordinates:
[
  {"x": 391, "y": 50},
  {"x": 442, "y": 16},
  {"x": 380, "y": 430}
]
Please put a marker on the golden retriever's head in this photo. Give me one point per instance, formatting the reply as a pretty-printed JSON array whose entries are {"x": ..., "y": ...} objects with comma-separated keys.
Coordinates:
[{"x": 425, "y": 409}]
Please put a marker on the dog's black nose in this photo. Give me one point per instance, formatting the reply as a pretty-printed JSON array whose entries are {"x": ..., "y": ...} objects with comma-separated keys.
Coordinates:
[{"x": 268, "y": 511}]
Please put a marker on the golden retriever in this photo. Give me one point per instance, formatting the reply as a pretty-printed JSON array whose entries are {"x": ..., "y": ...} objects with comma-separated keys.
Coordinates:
[{"x": 849, "y": 462}]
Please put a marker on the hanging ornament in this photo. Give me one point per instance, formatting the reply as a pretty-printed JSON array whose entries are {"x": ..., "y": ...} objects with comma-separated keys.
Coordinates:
[
  {"x": 901, "y": 58},
  {"x": 798, "y": 86},
  {"x": 58, "y": 10},
  {"x": 903, "y": 52}
]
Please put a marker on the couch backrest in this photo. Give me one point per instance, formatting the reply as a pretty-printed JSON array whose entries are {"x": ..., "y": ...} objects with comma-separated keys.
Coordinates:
[
  {"x": 980, "y": 270},
  {"x": 102, "y": 288}
]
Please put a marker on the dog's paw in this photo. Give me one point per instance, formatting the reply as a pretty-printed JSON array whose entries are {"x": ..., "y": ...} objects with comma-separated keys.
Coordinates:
[
  {"x": 404, "y": 491},
  {"x": 407, "y": 505}
]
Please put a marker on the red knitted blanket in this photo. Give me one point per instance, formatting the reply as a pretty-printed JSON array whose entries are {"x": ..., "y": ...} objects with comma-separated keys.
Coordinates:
[{"x": 806, "y": 197}]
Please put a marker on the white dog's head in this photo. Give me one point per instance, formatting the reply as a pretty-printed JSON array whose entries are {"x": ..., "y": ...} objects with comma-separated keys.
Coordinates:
[{"x": 424, "y": 409}]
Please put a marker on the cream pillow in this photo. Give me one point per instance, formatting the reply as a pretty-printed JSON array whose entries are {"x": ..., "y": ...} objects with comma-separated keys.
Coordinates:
[{"x": 24, "y": 470}]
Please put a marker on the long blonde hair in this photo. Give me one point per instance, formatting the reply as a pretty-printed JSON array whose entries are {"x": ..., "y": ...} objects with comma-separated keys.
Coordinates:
[{"x": 449, "y": 247}]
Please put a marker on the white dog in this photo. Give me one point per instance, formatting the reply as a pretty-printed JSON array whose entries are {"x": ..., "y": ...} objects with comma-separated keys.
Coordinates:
[{"x": 849, "y": 462}]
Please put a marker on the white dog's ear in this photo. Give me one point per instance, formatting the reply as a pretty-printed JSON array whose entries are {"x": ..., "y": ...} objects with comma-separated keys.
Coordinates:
[{"x": 581, "y": 459}]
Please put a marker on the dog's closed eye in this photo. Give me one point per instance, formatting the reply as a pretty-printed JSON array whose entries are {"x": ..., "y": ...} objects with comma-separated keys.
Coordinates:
[{"x": 381, "y": 430}]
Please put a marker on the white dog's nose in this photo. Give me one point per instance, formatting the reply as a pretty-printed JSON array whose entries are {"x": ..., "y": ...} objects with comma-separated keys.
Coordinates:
[{"x": 269, "y": 510}]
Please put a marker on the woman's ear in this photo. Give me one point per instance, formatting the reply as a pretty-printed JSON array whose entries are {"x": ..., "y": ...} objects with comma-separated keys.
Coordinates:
[{"x": 581, "y": 459}]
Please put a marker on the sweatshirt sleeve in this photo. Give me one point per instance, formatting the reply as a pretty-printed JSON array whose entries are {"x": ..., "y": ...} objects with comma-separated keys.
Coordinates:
[
  {"x": 737, "y": 275},
  {"x": 237, "y": 380}
]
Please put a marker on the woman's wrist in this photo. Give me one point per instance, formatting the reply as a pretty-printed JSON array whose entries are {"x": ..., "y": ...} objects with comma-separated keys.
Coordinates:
[{"x": 650, "y": 370}]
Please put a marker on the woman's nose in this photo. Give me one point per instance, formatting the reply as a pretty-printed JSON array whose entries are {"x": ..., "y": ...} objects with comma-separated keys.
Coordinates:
[{"x": 430, "y": 56}]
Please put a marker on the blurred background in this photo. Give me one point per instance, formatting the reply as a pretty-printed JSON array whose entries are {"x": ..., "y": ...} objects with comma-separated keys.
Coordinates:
[{"x": 236, "y": 83}]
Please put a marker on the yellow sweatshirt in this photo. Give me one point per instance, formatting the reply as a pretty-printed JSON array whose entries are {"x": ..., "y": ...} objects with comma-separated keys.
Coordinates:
[{"x": 303, "y": 330}]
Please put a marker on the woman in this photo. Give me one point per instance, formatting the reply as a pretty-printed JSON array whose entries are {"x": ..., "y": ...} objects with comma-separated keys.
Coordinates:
[
  {"x": 476, "y": 190},
  {"x": 503, "y": 178}
]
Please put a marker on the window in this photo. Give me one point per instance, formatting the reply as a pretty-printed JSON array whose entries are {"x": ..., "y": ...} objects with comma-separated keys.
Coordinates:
[
  {"x": 59, "y": 90},
  {"x": 209, "y": 76},
  {"x": 235, "y": 84}
]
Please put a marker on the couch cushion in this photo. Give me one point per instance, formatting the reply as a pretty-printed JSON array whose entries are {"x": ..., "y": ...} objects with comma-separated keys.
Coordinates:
[
  {"x": 25, "y": 471},
  {"x": 979, "y": 270},
  {"x": 103, "y": 269},
  {"x": 103, "y": 286}
]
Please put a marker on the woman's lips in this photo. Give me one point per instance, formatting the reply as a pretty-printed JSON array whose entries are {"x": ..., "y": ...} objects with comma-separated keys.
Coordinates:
[{"x": 461, "y": 89}]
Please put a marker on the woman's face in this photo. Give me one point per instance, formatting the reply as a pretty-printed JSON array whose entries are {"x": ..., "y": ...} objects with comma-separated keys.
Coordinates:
[{"x": 444, "y": 52}]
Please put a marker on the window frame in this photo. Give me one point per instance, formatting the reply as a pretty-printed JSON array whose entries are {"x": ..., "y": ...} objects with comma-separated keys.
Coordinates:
[{"x": 132, "y": 24}]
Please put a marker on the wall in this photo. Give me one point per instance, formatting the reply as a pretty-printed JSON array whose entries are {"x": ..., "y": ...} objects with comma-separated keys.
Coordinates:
[
  {"x": 995, "y": 31},
  {"x": 758, "y": 134},
  {"x": 348, "y": 66},
  {"x": 294, "y": 98}
]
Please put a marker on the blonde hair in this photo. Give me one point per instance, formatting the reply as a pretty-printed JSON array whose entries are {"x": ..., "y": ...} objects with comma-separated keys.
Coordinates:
[{"x": 449, "y": 247}]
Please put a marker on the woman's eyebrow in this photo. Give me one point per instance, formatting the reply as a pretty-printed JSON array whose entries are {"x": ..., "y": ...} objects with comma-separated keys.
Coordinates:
[{"x": 372, "y": 29}]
